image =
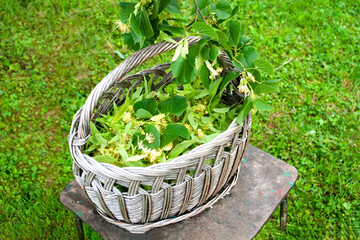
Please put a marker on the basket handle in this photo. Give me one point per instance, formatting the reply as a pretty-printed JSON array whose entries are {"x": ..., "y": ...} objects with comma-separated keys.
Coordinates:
[{"x": 125, "y": 67}]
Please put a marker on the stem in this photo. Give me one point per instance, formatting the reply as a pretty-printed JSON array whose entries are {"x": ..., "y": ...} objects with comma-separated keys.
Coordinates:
[
  {"x": 289, "y": 61},
  {"x": 198, "y": 11},
  {"x": 240, "y": 64}
]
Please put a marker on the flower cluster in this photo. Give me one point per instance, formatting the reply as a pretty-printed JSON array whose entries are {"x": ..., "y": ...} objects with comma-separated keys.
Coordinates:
[
  {"x": 151, "y": 154},
  {"x": 243, "y": 86},
  {"x": 149, "y": 137},
  {"x": 127, "y": 117},
  {"x": 250, "y": 76},
  {"x": 200, "y": 133},
  {"x": 216, "y": 73},
  {"x": 122, "y": 26}
]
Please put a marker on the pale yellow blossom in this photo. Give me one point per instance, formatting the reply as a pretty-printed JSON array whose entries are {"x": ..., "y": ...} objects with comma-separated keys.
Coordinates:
[
  {"x": 150, "y": 137},
  {"x": 251, "y": 77},
  {"x": 122, "y": 26},
  {"x": 125, "y": 137},
  {"x": 150, "y": 154},
  {"x": 200, "y": 108},
  {"x": 163, "y": 121},
  {"x": 243, "y": 89},
  {"x": 200, "y": 133},
  {"x": 131, "y": 108},
  {"x": 168, "y": 147},
  {"x": 127, "y": 117}
]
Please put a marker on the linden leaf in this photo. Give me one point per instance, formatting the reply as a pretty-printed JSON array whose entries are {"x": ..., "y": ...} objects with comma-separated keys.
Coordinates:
[
  {"x": 172, "y": 132},
  {"x": 175, "y": 105}
]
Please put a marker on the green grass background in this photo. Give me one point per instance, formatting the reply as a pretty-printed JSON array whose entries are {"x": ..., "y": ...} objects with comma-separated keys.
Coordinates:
[{"x": 54, "y": 52}]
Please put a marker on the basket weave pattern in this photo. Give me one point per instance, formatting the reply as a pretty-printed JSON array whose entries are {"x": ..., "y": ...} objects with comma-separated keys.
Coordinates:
[{"x": 138, "y": 210}]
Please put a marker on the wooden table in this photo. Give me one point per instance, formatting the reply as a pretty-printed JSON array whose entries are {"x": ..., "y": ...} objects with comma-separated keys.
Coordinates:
[{"x": 263, "y": 185}]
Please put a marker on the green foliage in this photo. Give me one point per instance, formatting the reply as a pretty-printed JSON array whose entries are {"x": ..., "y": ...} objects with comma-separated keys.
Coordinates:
[
  {"x": 147, "y": 131},
  {"x": 261, "y": 106},
  {"x": 142, "y": 113},
  {"x": 204, "y": 29},
  {"x": 244, "y": 111},
  {"x": 183, "y": 71},
  {"x": 203, "y": 3},
  {"x": 234, "y": 32},
  {"x": 267, "y": 86},
  {"x": 118, "y": 113},
  {"x": 175, "y": 105},
  {"x": 173, "y": 131},
  {"x": 204, "y": 74},
  {"x": 105, "y": 158},
  {"x": 148, "y": 104},
  {"x": 181, "y": 147},
  {"x": 223, "y": 9},
  {"x": 263, "y": 66},
  {"x": 219, "y": 29}
]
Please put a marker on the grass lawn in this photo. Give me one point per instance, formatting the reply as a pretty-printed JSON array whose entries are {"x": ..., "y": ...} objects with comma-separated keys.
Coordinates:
[{"x": 54, "y": 52}]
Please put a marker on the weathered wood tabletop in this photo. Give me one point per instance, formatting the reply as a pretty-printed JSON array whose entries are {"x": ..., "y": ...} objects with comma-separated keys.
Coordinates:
[{"x": 263, "y": 183}]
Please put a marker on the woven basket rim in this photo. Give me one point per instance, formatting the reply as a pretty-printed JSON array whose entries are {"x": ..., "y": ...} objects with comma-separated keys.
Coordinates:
[{"x": 178, "y": 159}]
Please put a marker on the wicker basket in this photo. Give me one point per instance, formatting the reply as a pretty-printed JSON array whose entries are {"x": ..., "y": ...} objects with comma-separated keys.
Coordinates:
[{"x": 138, "y": 210}]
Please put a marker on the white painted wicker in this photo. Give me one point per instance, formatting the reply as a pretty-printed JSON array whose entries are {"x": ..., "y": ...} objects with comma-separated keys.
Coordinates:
[{"x": 138, "y": 210}]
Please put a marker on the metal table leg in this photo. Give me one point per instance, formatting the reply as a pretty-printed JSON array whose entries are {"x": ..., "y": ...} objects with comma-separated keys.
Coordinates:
[
  {"x": 283, "y": 214},
  {"x": 79, "y": 227}
]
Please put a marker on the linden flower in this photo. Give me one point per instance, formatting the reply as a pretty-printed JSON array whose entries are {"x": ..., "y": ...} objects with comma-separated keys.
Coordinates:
[
  {"x": 152, "y": 155},
  {"x": 200, "y": 133},
  {"x": 131, "y": 108},
  {"x": 218, "y": 71},
  {"x": 125, "y": 137},
  {"x": 215, "y": 73},
  {"x": 112, "y": 151},
  {"x": 252, "y": 78},
  {"x": 150, "y": 137},
  {"x": 141, "y": 146},
  {"x": 200, "y": 107},
  {"x": 168, "y": 147},
  {"x": 122, "y": 26},
  {"x": 127, "y": 117},
  {"x": 114, "y": 131},
  {"x": 188, "y": 126},
  {"x": 243, "y": 89}
]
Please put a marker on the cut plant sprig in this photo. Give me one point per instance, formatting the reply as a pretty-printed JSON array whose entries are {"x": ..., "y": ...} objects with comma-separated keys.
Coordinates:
[
  {"x": 156, "y": 124},
  {"x": 138, "y": 142}
]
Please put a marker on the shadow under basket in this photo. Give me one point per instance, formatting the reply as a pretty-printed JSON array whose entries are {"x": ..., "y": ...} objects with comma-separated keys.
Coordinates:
[{"x": 194, "y": 186}]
